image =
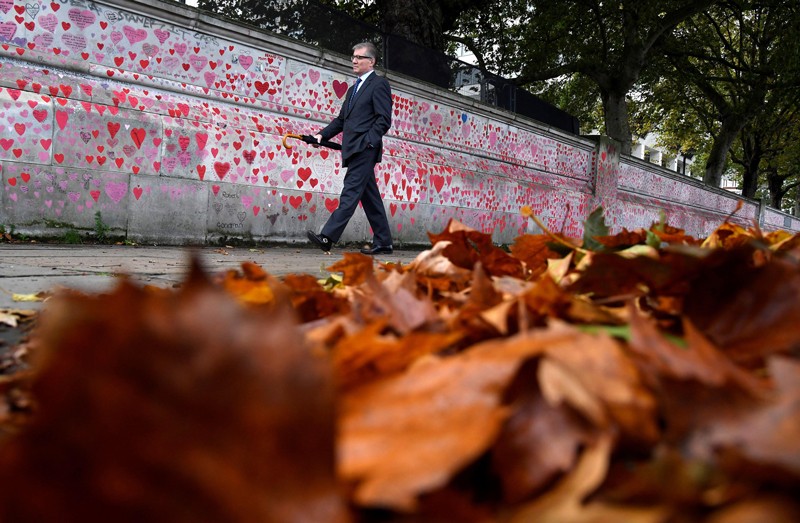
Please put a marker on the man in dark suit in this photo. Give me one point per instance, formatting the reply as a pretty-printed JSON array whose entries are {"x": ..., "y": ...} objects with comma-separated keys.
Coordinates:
[{"x": 364, "y": 118}]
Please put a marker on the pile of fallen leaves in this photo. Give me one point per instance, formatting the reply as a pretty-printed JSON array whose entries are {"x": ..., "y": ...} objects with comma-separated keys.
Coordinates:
[{"x": 641, "y": 377}]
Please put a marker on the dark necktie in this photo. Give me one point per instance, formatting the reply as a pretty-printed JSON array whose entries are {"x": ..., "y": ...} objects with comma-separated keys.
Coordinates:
[{"x": 355, "y": 90}]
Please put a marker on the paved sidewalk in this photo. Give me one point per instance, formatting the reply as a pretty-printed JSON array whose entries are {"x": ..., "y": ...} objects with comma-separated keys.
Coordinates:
[{"x": 32, "y": 268}]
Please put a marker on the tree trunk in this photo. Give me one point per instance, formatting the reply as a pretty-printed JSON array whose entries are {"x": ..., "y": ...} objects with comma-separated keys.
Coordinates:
[
  {"x": 796, "y": 209},
  {"x": 715, "y": 165},
  {"x": 752, "y": 155},
  {"x": 776, "y": 189},
  {"x": 615, "y": 108}
]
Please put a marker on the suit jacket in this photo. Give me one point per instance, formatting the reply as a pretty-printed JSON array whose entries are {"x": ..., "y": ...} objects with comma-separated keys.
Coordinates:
[{"x": 365, "y": 122}]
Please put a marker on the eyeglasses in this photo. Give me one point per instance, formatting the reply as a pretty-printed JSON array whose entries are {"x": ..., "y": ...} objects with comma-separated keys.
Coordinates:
[{"x": 360, "y": 57}]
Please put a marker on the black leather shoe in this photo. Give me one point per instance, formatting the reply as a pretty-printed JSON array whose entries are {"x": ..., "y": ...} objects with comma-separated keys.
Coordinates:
[
  {"x": 377, "y": 249},
  {"x": 320, "y": 240}
]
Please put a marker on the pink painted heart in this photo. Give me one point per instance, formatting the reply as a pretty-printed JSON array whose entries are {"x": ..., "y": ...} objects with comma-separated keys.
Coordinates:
[
  {"x": 83, "y": 18},
  {"x": 286, "y": 175},
  {"x": 48, "y": 22},
  {"x": 7, "y": 30},
  {"x": 76, "y": 42},
  {"x": 198, "y": 62},
  {"x": 246, "y": 61},
  {"x": 134, "y": 35},
  {"x": 161, "y": 34}
]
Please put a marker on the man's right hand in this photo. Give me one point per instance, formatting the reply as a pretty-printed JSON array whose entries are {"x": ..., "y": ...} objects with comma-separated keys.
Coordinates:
[{"x": 318, "y": 137}]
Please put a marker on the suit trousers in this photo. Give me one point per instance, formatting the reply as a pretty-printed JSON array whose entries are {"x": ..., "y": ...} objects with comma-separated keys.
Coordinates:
[{"x": 360, "y": 186}]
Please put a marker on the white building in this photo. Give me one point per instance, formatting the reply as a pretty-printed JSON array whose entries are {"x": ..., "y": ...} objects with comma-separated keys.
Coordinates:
[{"x": 646, "y": 148}]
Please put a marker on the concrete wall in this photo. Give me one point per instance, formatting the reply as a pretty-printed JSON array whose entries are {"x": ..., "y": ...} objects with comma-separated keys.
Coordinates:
[{"x": 168, "y": 123}]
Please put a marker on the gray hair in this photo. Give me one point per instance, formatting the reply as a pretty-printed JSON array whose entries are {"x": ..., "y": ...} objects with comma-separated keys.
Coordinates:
[{"x": 371, "y": 50}]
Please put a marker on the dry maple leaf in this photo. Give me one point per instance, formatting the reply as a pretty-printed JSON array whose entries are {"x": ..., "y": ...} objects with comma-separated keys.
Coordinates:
[
  {"x": 173, "y": 407},
  {"x": 311, "y": 300},
  {"x": 729, "y": 236},
  {"x": 252, "y": 285}
]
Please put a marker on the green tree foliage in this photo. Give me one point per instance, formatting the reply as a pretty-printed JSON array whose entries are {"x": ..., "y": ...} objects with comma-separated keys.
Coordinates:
[
  {"x": 733, "y": 56},
  {"x": 767, "y": 151},
  {"x": 306, "y": 20},
  {"x": 607, "y": 42}
]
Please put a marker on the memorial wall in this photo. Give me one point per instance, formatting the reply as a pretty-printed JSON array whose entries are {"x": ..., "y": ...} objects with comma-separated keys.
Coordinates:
[{"x": 165, "y": 124}]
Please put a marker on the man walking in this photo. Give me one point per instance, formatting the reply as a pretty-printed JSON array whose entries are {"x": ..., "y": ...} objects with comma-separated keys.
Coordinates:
[{"x": 364, "y": 118}]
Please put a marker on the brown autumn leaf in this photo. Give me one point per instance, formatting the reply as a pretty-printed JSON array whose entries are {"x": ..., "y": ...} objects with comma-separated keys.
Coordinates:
[
  {"x": 538, "y": 443},
  {"x": 673, "y": 235},
  {"x": 393, "y": 299},
  {"x": 594, "y": 375},
  {"x": 667, "y": 477},
  {"x": 760, "y": 509},
  {"x": 728, "y": 236},
  {"x": 781, "y": 240},
  {"x": 484, "y": 312},
  {"x": 408, "y": 434},
  {"x": 468, "y": 247},
  {"x": 614, "y": 275},
  {"x": 310, "y": 300},
  {"x": 765, "y": 439},
  {"x": 435, "y": 271},
  {"x": 623, "y": 239},
  {"x": 252, "y": 285},
  {"x": 566, "y": 501},
  {"x": 373, "y": 353},
  {"x": 748, "y": 310},
  {"x": 534, "y": 251},
  {"x": 546, "y": 299},
  {"x": 699, "y": 360},
  {"x": 173, "y": 407},
  {"x": 355, "y": 267}
]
